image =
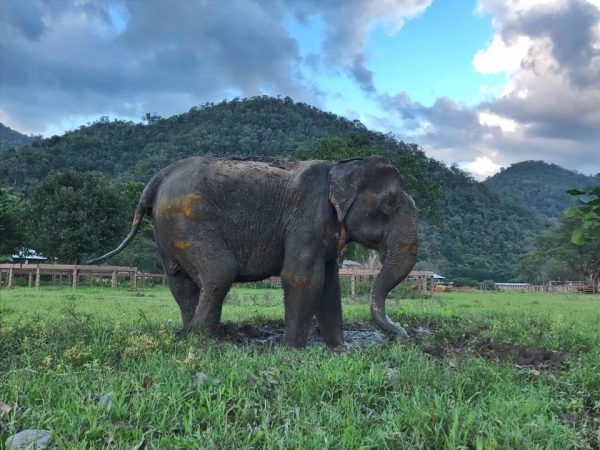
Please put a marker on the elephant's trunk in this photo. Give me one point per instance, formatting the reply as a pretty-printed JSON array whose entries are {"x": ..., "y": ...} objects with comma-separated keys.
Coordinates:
[{"x": 398, "y": 261}]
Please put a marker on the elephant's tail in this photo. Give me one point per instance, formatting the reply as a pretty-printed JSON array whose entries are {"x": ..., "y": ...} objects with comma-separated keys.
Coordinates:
[{"x": 144, "y": 207}]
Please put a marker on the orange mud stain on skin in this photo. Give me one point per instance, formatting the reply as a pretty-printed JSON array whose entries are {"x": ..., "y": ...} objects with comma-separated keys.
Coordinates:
[
  {"x": 184, "y": 205},
  {"x": 327, "y": 230},
  {"x": 412, "y": 248},
  {"x": 295, "y": 281},
  {"x": 296, "y": 197},
  {"x": 182, "y": 245}
]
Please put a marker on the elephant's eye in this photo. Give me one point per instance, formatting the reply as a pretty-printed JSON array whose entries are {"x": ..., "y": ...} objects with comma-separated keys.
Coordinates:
[{"x": 390, "y": 202}]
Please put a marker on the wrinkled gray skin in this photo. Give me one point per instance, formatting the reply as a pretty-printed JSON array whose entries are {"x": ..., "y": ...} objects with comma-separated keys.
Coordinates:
[{"x": 219, "y": 221}]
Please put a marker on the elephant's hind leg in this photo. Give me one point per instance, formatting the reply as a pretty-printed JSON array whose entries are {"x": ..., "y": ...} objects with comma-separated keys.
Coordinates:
[
  {"x": 329, "y": 311},
  {"x": 216, "y": 275},
  {"x": 186, "y": 293}
]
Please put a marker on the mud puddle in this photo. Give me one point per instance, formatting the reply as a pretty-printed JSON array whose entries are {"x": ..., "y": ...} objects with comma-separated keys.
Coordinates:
[
  {"x": 425, "y": 337},
  {"x": 273, "y": 334},
  {"x": 523, "y": 357}
]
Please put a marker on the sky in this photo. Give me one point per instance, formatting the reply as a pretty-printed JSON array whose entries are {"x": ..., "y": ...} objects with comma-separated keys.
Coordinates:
[{"x": 482, "y": 84}]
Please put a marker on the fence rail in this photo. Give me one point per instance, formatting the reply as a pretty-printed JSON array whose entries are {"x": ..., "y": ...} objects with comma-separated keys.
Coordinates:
[
  {"x": 74, "y": 272},
  {"x": 575, "y": 287}
]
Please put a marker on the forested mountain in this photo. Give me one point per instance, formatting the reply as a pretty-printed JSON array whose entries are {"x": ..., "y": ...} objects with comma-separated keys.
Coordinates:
[
  {"x": 10, "y": 138},
  {"x": 481, "y": 235},
  {"x": 125, "y": 150},
  {"x": 466, "y": 229},
  {"x": 538, "y": 186}
]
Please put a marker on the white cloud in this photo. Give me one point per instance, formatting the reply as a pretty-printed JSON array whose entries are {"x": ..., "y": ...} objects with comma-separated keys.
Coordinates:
[
  {"x": 494, "y": 120},
  {"x": 499, "y": 57},
  {"x": 482, "y": 167}
]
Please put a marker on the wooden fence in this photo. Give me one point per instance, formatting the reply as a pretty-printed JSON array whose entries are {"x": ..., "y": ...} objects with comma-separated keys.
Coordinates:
[
  {"x": 73, "y": 272},
  {"x": 360, "y": 276},
  {"x": 8, "y": 272}
]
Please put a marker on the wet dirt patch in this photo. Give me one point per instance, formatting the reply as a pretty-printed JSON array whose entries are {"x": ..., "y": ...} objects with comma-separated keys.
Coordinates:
[
  {"x": 467, "y": 346},
  {"x": 273, "y": 334},
  {"x": 427, "y": 338}
]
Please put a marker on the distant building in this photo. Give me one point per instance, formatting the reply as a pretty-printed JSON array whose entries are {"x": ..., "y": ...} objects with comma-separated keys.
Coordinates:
[
  {"x": 425, "y": 274},
  {"x": 28, "y": 256},
  {"x": 350, "y": 263}
]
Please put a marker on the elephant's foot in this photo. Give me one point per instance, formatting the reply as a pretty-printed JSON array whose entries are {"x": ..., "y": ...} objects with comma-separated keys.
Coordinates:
[
  {"x": 183, "y": 332},
  {"x": 295, "y": 343},
  {"x": 342, "y": 348},
  {"x": 332, "y": 336},
  {"x": 211, "y": 330}
]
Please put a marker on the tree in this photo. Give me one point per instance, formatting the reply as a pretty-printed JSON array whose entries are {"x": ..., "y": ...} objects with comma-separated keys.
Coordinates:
[
  {"x": 587, "y": 233},
  {"x": 11, "y": 222},
  {"x": 555, "y": 257},
  {"x": 75, "y": 215}
]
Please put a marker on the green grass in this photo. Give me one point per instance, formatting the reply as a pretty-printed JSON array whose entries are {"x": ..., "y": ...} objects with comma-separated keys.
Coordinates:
[{"x": 62, "y": 349}]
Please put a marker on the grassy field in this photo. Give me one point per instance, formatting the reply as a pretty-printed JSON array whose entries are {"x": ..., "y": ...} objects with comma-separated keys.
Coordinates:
[{"x": 482, "y": 370}]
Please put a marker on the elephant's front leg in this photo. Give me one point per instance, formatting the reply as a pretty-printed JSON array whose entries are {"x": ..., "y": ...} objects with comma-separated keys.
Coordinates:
[
  {"x": 302, "y": 280},
  {"x": 329, "y": 311}
]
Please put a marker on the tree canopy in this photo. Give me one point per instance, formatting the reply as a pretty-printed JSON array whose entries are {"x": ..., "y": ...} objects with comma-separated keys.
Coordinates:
[
  {"x": 11, "y": 222},
  {"x": 74, "y": 215}
]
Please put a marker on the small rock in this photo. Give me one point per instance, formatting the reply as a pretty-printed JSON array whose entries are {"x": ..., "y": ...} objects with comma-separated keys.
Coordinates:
[
  {"x": 106, "y": 400},
  {"x": 29, "y": 440},
  {"x": 268, "y": 376},
  {"x": 252, "y": 379},
  {"x": 4, "y": 409},
  {"x": 535, "y": 373},
  {"x": 571, "y": 417},
  {"x": 143, "y": 445},
  {"x": 200, "y": 378},
  {"x": 423, "y": 330},
  {"x": 392, "y": 374}
]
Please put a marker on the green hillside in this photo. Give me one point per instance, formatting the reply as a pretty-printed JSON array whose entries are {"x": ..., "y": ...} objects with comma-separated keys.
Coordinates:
[
  {"x": 10, "y": 138},
  {"x": 125, "y": 150},
  {"x": 466, "y": 229},
  {"x": 538, "y": 186}
]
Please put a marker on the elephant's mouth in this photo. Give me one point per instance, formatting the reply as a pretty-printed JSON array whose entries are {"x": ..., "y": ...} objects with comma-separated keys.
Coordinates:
[{"x": 373, "y": 238}]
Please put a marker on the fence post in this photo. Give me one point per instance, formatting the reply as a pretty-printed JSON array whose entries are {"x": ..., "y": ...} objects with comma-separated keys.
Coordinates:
[
  {"x": 29, "y": 279},
  {"x": 353, "y": 286},
  {"x": 10, "y": 278},
  {"x": 37, "y": 277},
  {"x": 75, "y": 277},
  {"x": 113, "y": 280},
  {"x": 134, "y": 278}
]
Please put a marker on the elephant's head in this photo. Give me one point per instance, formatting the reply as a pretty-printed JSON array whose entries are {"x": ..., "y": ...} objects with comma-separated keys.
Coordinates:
[{"x": 375, "y": 211}]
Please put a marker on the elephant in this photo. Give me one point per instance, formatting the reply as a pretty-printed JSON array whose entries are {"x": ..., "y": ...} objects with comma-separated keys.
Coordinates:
[{"x": 218, "y": 221}]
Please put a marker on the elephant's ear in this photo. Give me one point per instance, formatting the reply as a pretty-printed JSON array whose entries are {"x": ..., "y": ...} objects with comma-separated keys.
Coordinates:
[{"x": 344, "y": 179}]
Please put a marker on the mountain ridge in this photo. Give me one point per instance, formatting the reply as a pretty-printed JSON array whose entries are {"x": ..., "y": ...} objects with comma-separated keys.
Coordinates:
[
  {"x": 538, "y": 185},
  {"x": 10, "y": 138}
]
